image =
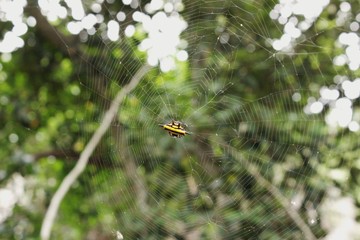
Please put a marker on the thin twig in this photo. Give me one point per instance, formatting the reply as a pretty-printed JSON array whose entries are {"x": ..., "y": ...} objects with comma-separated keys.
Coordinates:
[
  {"x": 275, "y": 192},
  {"x": 85, "y": 155}
]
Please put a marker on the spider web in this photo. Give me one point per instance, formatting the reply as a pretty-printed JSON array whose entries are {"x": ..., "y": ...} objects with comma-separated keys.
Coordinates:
[{"x": 217, "y": 183}]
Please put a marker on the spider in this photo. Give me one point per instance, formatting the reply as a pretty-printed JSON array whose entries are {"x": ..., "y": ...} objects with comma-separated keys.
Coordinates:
[{"x": 175, "y": 129}]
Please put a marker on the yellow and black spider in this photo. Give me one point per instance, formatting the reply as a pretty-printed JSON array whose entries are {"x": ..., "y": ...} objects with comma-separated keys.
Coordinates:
[{"x": 175, "y": 129}]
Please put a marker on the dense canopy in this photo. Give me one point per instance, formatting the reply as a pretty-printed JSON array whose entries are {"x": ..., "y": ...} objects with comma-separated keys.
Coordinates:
[{"x": 239, "y": 119}]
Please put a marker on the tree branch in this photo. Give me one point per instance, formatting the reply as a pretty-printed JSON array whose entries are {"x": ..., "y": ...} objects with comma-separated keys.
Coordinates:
[
  {"x": 85, "y": 155},
  {"x": 284, "y": 202},
  {"x": 66, "y": 44},
  {"x": 70, "y": 156}
]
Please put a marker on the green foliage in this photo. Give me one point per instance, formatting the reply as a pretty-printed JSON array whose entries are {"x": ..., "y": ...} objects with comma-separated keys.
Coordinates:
[{"x": 237, "y": 95}]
